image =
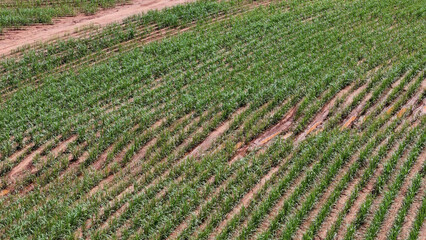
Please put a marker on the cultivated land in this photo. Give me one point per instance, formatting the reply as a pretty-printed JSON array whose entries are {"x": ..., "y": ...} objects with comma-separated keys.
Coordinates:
[
  {"x": 18, "y": 13},
  {"x": 221, "y": 120},
  {"x": 39, "y": 31}
]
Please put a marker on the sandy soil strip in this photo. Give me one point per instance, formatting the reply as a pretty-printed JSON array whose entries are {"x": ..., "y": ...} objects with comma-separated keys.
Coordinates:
[
  {"x": 279, "y": 128},
  {"x": 14, "y": 157},
  {"x": 26, "y": 162},
  {"x": 316, "y": 209},
  {"x": 33, "y": 34},
  {"x": 357, "y": 111},
  {"x": 282, "y": 126},
  {"x": 59, "y": 149},
  {"x": 19, "y": 152},
  {"x": 208, "y": 142},
  {"x": 322, "y": 115}
]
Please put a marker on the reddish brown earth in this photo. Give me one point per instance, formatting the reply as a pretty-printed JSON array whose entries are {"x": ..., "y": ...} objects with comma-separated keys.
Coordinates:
[
  {"x": 24, "y": 164},
  {"x": 13, "y": 40},
  {"x": 208, "y": 142},
  {"x": 282, "y": 126},
  {"x": 323, "y": 114}
]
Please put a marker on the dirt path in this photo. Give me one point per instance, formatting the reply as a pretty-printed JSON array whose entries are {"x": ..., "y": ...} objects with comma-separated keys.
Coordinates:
[{"x": 12, "y": 40}]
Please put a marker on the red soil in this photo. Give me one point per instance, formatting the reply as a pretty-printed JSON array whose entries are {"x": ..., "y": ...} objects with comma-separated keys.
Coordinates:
[
  {"x": 26, "y": 162},
  {"x": 208, "y": 142},
  {"x": 323, "y": 114},
  {"x": 282, "y": 126},
  {"x": 13, "y": 40},
  {"x": 268, "y": 135}
]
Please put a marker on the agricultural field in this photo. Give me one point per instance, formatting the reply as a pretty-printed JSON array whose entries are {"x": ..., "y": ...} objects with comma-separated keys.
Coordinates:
[
  {"x": 17, "y": 13},
  {"x": 234, "y": 119}
]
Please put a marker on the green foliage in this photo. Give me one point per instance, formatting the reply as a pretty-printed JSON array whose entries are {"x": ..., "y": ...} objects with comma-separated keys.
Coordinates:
[{"x": 137, "y": 108}]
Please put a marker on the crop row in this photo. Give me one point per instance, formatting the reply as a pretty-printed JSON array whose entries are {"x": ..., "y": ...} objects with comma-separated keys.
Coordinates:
[{"x": 143, "y": 145}]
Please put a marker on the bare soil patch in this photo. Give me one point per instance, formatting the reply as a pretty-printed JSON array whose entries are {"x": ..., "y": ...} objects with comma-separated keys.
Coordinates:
[
  {"x": 26, "y": 162},
  {"x": 323, "y": 114}
]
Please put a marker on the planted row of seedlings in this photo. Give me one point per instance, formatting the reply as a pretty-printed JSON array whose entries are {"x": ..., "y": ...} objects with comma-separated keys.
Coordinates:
[
  {"x": 117, "y": 36},
  {"x": 158, "y": 191},
  {"x": 350, "y": 201}
]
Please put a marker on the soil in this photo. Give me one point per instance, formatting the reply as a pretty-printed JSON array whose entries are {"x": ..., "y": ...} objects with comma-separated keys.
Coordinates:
[
  {"x": 12, "y": 40},
  {"x": 267, "y": 136},
  {"x": 208, "y": 142},
  {"x": 15, "y": 155},
  {"x": 26, "y": 162},
  {"x": 357, "y": 112},
  {"x": 282, "y": 126},
  {"x": 101, "y": 160},
  {"x": 323, "y": 114}
]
